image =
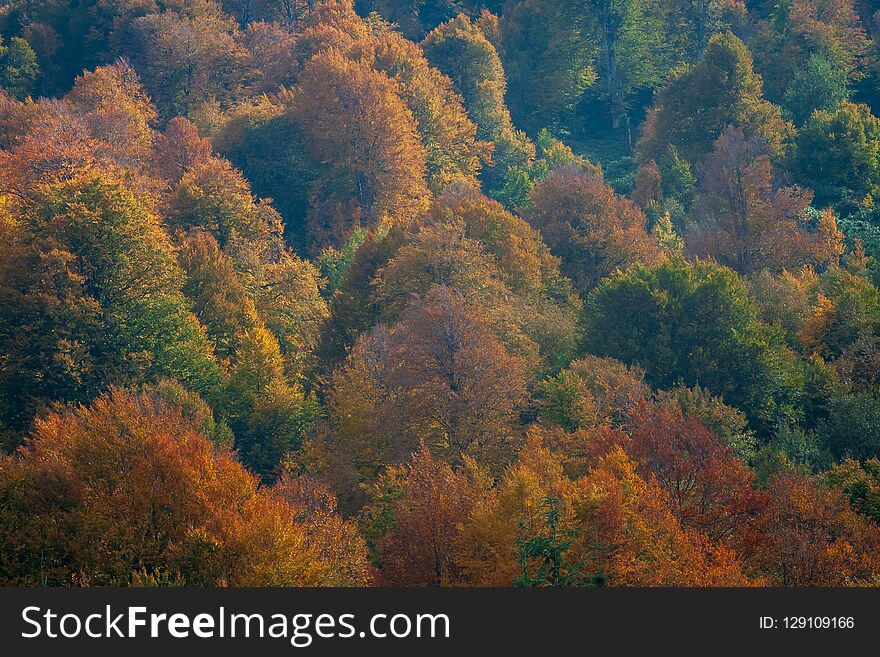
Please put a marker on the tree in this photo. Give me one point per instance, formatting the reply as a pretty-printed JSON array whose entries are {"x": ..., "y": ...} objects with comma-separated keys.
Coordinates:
[
  {"x": 68, "y": 39},
  {"x": 700, "y": 100},
  {"x": 117, "y": 111},
  {"x": 129, "y": 486},
  {"x": 437, "y": 376},
  {"x": 547, "y": 60},
  {"x": 334, "y": 24},
  {"x": 178, "y": 149},
  {"x": 618, "y": 526},
  {"x": 631, "y": 537},
  {"x": 819, "y": 85},
  {"x": 16, "y": 119},
  {"x": 728, "y": 423},
  {"x": 498, "y": 263},
  {"x": 453, "y": 155},
  {"x": 647, "y": 188},
  {"x": 488, "y": 553},
  {"x": 709, "y": 488},
  {"x": 844, "y": 312},
  {"x": 859, "y": 363},
  {"x": 695, "y": 21},
  {"x": 522, "y": 259},
  {"x": 797, "y": 31},
  {"x": 53, "y": 145},
  {"x": 187, "y": 60},
  {"x": 407, "y": 14},
  {"x": 695, "y": 324},
  {"x": 860, "y": 482},
  {"x": 414, "y": 516},
  {"x": 288, "y": 13},
  {"x": 336, "y": 540},
  {"x": 273, "y": 50},
  {"x": 214, "y": 197},
  {"x": 354, "y": 120},
  {"x": 94, "y": 298},
  {"x": 219, "y": 299},
  {"x": 287, "y": 292},
  {"x": 589, "y": 227},
  {"x": 461, "y": 51},
  {"x": 193, "y": 408},
  {"x": 354, "y": 307},
  {"x": 610, "y": 17},
  {"x": 745, "y": 224},
  {"x": 809, "y": 536},
  {"x": 785, "y": 300},
  {"x": 838, "y": 155},
  {"x": 550, "y": 549},
  {"x": 851, "y": 428},
  {"x": 592, "y": 391},
  {"x": 18, "y": 67},
  {"x": 269, "y": 414}
]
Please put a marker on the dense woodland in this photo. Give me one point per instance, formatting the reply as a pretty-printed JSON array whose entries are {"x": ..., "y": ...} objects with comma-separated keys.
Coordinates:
[{"x": 440, "y": 292}]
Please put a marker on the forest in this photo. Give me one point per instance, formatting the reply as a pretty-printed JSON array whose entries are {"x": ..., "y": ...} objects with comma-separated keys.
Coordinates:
[{"x": 440, "y": 293}]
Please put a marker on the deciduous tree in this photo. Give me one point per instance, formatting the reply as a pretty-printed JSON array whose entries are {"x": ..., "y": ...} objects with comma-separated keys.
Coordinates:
[
  {"x": 129, "y": 487},
  {"x": 809, "y": 536},
  {"x": 354, "y": 121},
  {"x": 589, "y": 227},
  {"x": 700, "y": 100},
  {"x": 415, "y": 513},
  {"x": 838, "y": 155},
  {"x": 94, "y": 298},
  {"x": 695, "y": 324},
  {"x": 460, "y": 50},
  {"x": 438, "y": 376},
  {"x": 746, "y": 224}
]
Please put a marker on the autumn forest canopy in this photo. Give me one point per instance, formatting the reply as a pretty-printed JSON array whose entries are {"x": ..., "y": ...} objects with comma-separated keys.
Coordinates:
[{"x": 440, "y": 292}]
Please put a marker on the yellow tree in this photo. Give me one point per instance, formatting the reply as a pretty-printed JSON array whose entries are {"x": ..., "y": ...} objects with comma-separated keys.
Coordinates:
[
  {"x": 459, "y": 49},
  {"x": 117, "y": 111},
  {"x": 619, "y": 527},
  {"x": 355, "y": 122},
  {"x": 128, "y": 490},
  {"x": 499, "y": 264},
  {"x": 439, "y": 376},
  {"x": 454, "y": 156}
]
